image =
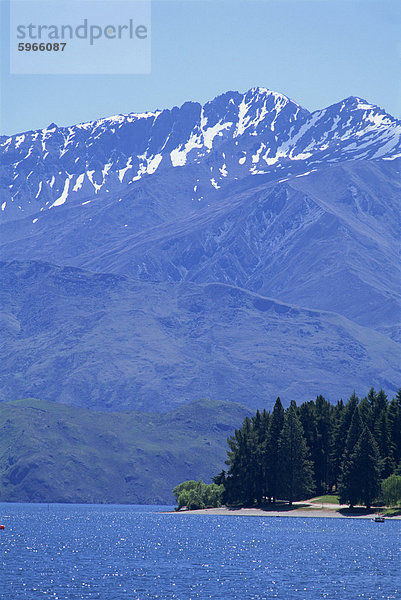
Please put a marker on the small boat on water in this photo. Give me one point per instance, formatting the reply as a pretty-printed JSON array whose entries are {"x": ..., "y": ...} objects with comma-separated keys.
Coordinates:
[{"x": 379, "y": 519}]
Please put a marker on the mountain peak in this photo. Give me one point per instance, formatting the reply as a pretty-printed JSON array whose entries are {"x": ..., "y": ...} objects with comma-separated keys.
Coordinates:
[
  {"x": 355, "y": 103},
  {"x": 262, "y": 92},
  {"x": 228, "y": 138}
]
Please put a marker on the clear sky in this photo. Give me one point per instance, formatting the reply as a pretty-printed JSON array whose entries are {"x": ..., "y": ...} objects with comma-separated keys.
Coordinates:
[{"x": 314, "y": 51}]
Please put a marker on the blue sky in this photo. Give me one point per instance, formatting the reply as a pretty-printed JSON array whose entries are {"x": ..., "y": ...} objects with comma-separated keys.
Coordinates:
[{"x": 314, "y": 51}]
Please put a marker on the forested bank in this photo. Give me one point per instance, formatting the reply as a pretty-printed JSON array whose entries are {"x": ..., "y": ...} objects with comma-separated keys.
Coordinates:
[
  {"x": 315, "y": 448},
  {"x": 349, "y": 448}
]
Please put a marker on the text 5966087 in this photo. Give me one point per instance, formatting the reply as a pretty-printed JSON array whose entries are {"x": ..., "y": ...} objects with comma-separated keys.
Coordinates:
[{"x": 41, "y": 47}]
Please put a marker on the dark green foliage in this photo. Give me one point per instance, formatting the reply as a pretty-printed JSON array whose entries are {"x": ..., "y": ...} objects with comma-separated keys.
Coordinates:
[
  {"x": 220, "y": 478},
  {"x": 272, "y": 450},
  {"x": 242, "y": 485},
  {"x": 268, "y": 456},
  {"x": 348, "y": 446},
  {"x": 341, "y": 428},
  {"x": 381, "y": 432},
  {"x": 354, "y": 433},
  {"x": 296, "y": 469},
  {"x": 360, "y": 478},
  {"x": 334, "y": 458},
  {"x": 394, "y": 421},
  {"x": 316, "y": 419},
  {"x": 260, "y": 425},
  {"x": 365, "y": 411}
]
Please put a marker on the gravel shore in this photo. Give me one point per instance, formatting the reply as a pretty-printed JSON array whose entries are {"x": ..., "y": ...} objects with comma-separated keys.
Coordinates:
[{"x": 298, "y": 510}]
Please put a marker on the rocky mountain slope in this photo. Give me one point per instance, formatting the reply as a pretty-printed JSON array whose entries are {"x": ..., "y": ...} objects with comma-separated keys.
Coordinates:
[
  {"x": 106, "y": 341},
  {"x": 238, "y": 250},
  {"x": 227, "y": 139}
]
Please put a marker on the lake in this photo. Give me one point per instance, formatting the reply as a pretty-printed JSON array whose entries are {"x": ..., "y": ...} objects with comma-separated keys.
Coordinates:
[{"x": 69, "y": 552}]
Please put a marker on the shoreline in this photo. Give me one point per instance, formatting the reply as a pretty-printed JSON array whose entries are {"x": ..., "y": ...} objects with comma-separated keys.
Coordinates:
[{"x": 302, "y": 511}]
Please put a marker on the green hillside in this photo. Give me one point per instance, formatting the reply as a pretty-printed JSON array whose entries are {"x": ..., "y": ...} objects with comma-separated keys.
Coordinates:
[{"x": 52, "y": 452}]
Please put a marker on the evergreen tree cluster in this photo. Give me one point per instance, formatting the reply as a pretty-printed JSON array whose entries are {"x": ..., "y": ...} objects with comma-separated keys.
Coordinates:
[{"x": 317, "y": 447}]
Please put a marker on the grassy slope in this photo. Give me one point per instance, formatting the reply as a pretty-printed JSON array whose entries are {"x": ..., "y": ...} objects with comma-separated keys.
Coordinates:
[{"x": 52, "y": 452}]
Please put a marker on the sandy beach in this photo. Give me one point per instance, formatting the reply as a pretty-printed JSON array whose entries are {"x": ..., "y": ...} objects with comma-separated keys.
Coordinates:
[{"x": 299, "y": 509}]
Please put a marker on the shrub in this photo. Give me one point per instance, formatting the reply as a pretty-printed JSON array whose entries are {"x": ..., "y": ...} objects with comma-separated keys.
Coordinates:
[
  {"x": 196, "y": 494},
  {"x": 391, "y": 488}
]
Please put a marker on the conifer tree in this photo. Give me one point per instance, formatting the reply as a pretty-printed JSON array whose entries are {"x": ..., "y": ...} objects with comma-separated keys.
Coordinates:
[
  {"x": 371, "y": 400},
  {"x": 353, "y": 435},
  {"x": 365, "y": 411},
  {"x": 394, "y": 420},
  {"x": 243, "y": 467},
  {"x": 360, "y": 478},
  {"x": 340, "y": 436},
  {"x": 307, "y": 415},
  {"x": 295, "y": 466},
  {"x": 261, "y": 423},
  {"x": 381, "y": 431},
  {"x": 316, "y": 419},
  {"x": 272, "y": 450},
  {"x": 283, "y": 453},
  {"x": 334, "y": 463},
  {"x": 324, "y": 422}
]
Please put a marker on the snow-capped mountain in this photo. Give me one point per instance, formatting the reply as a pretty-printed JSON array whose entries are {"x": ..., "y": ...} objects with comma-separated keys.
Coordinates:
[
  {"x": 233, "y": 136},
  {"x": 242, "y": 249}
]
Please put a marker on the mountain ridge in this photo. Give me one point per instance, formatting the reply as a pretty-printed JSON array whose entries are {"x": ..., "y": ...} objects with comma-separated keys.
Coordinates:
[
  {"x": 47, "y": 168},
  {"x": 250, "y": 194}
]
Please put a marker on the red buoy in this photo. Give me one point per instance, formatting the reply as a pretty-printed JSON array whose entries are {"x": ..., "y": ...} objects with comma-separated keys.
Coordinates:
[{"x": 1, "y": 526}]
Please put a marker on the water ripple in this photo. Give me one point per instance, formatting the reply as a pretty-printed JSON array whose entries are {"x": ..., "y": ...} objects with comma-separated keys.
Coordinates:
[{"x": 70, "y": 552}]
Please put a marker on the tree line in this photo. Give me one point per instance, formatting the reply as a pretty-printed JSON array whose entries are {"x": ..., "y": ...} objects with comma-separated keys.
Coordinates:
[{"x": 315, "y": 448}]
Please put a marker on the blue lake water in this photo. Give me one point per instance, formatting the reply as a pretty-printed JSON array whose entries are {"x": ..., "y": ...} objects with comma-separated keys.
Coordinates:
[{"x": 69, "y": 552}]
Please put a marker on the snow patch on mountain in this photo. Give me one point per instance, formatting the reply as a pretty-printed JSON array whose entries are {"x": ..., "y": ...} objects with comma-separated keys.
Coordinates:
[{"x": 232, "y": 136}]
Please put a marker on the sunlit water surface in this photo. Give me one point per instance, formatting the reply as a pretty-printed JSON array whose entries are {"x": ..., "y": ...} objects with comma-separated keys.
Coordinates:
[{"x": 69, "y": 552}]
